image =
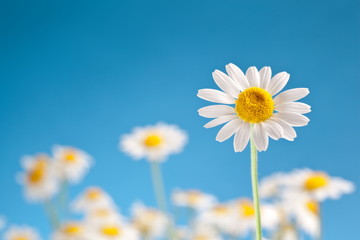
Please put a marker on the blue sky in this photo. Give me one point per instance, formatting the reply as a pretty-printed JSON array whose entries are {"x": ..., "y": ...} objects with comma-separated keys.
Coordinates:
[{"x": 82, "y": 73}]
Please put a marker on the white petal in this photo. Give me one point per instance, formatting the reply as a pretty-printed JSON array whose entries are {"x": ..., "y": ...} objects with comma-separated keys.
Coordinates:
[
  {"x": 288, "y": 131},
  {"x": 216, "y": 96},
  {"x": 291, "y": 95},
  {"x": 228, "y": 130},
  {"x": 278, "y": 82},
  {"x": 265, "y": 76},
  {"x": 261, "y": 139},
  {"x": 242, "y": 137},
  {"x": 273, "y": 129},
  {"x": 296, "y": 107},
  {"x": 214, "y": 111},
  {"x": 220, "y": 120},
  {"x": 294, "y": 119},
  {"x": 225, "y": 83},
  {"x": 237, "y": 75},
  {"x": 253, "y": 77}
]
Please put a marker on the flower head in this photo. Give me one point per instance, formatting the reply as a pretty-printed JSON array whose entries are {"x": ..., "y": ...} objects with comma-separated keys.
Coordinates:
[
  {"x": 39, "y": 178},
  {"x": 256, "y": 103},
  {"x": 21, "y": 233},
  {"x": 193, "y": 199},
  {"x": 150, "y": 222},
  {"x": 93, "y": 198},
  {"x": 154, "y": 143},
  {"x": 73, "y": 230},
  {"x": 71, "y": 163}
]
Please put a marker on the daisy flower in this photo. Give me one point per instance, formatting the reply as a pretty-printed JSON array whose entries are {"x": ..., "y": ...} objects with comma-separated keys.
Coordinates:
[
  {"x": 256, "y": 103},
  {"x": 91, "y": 199},
  {"x": 154, "y": 143},
  {"x": 21, "y": 233},
  {"x": 39, "y": 178},
  {"x": 73, "y": 230},
  {"x": 318, "y": 185},
  {"x": 71, "y": 163},
  {"x": 272, "y": 186},
  {"x": 150, "y": 222},
  {"x": 97, "y": 216},
  {"x": 204, "y": 232},
  {"x": 193, "y": 199},
  {"x": 115, "y": 231}
]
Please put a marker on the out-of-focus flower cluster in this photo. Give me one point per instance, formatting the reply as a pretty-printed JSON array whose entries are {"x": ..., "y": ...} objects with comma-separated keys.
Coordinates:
[{"x": 290, "y": 201}]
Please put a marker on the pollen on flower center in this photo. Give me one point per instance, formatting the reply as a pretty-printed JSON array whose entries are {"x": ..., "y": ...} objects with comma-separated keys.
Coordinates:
[
  {"x": 221, "y": 210},
  {"x": 72, "y": 229},
  {"x": 316, "y": 181},
  {"x": 254, "y": 105},
  {"x": 70, "y": 157},
  {"x": 313, "y": 207},
  {"x": 111, "y": 231},
  {"x": 152, "y": 141},
  {"x": 37, "y": 174},
  {"x": 93, "y": 194},
  {"x": 21, "y": 238},
  {"x": 247, "y": 210}
]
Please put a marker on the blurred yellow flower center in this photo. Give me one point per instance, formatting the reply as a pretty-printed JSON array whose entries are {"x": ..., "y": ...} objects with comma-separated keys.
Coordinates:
[
  {"x": 21, "y": 238},
  {"x": 70, "y": 156},
  {"x": 102, "y": 213},
  {"x": 247, "y": 209},
  {"x": 111, "y": 231},
  {"x": 254, "y": 105},
  {"x": 93, "y": 194},
  {"x": 221, "y": 210},
  {"x": 194, "y": 197},
  {"x": 316, "y": 181},
  {"x": 37, "y": 173},
  {"x": 72, "y": 229},
  {"x": 200, "y": 237},
  {"x": 152, "y": 141},
  {"x": 313, "y": 207}
]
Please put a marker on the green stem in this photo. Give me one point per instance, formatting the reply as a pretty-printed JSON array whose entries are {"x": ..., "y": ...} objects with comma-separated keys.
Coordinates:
[
  {"x": 255, "y": 187},
  {"x": 52, "y": 215},
  {"x": 63, "y": 198}
]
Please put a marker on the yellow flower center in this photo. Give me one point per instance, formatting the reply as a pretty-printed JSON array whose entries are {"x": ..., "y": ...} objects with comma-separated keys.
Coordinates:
[
  {"x": 221, "y": 210},
  {"x": 93, "y": 194},
  {"x": 246, "y": 209},
  {"x": 72, "y": 229},
  {"x": 313, "y": 207},
  {"x": 152, "y": 141},
  {"x": 316, "y": 181},
  {"x": 37, "y": 173},
  {"x": 111, "y": 231},
  {"x": 21, "y": 238},
  {"x": 70, "y": 157},
  {"x": 200, "y": 237},
  {"x": 254, "y": 105},
  {"x": 194, "y": 197}
]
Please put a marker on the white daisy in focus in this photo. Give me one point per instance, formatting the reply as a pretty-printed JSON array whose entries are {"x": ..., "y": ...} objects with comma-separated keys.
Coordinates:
[
  {"x": 21, "y": 233},
  {"x": 256, "y": 104},
  {"x": 193, "y": 199},
  {"x": 71, "y": 163},
  {"x": 91, "y": 199},
  {"x": 154, "y": 143},
  {"x": 39, "y": 178},
  {"x": 150, "y": 222},
  {"x": 115, "y": 231},
  {"x": 73, "y": 230},
  {"x": 318, "y": 185}
]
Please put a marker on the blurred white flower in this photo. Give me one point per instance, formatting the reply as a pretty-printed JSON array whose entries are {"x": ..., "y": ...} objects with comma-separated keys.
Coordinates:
[
  {"x": 21, "y": 233},
  {"x": 204, "y": 232},
  {"x": 318, "y": 185},
  {"x": 98, "y": 216},
  {"x": 115, "y": 231},
  {"x": 271, "y": 186},
  {"x": 255, "y": 103},
  {"x": 193, "y": 199},
  {"x": 150, "y": 222},
  {"x": 154, "y": 143},
  {"x": 73, "y": 230},
  {"x": 2, "y": 222},
  {"x": 71, "y": 163},
  {"x": 39, "y": 178},
  {"x": 91, "y": 199}
]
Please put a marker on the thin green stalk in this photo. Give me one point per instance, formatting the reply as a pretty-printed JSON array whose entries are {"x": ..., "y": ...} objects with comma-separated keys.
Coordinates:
[
  {"x": 255, "y": 187},
  {"x": 52, "y": 215},
  {"x": 63, "y": 199}
]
